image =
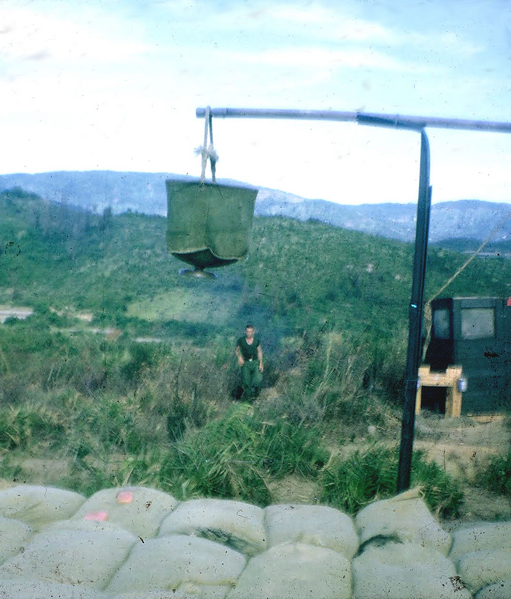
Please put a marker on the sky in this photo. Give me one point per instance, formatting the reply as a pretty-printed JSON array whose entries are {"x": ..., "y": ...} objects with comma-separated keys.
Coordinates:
[{"x": 114, "y": 85}]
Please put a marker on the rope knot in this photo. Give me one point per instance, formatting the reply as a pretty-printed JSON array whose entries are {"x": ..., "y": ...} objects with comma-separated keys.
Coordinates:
[{"x": 208, "y": 151}]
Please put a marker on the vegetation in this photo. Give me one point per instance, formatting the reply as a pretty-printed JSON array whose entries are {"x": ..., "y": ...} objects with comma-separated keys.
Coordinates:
[
  {"x": 144, "y": 393},
  {"x": 496, "y": 475},
  {"x": 350, "y": 484}
]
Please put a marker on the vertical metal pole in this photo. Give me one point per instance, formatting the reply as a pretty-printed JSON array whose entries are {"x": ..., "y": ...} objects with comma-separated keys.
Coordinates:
[{"x": 414, "y": 355}]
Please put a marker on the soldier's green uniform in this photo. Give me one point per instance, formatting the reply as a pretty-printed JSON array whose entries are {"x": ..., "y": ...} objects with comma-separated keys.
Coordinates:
[{"x": 251, "y": 377}]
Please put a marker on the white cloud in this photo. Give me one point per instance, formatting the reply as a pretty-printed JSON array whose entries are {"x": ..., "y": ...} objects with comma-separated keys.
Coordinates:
[
  {"x": 28, "y": 34},
  {"x": 451, "y": 41},
  {"x": 278, "y": 21},
  {"x": 330, "y": 24},
  {"x": 281, "y": 23},
  {"x": 324, "y": 58}
]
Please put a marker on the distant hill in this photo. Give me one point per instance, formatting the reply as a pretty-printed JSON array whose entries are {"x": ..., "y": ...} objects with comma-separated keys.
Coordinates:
[
  {"x": 145, "y": 193},
  {"x": 463, "y": 219},
  {"x": 298, "y": 275}
]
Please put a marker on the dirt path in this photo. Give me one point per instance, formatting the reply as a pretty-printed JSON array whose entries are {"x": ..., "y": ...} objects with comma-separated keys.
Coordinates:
[{"x": 10, "y": 312}]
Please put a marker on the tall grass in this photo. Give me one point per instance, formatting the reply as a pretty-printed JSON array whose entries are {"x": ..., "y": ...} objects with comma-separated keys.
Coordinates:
[
  {"x": 495, "y": 475},
  {"x": 117, "y": 412},
  {"x": 236, "y": 455},
  {"x": 23, "y": 426},
  {"x": 365, "y": 476},
  {"x": 204, "y": 463}
]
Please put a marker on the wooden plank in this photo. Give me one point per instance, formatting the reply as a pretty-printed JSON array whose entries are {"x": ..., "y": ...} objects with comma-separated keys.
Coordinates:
[{"x": 449, "y": 380}]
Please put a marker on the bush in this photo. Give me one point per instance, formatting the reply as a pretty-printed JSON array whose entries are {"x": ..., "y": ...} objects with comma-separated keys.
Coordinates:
[
  {"x": 232, "y": 457},
  {"x": 285, "y": 448},
  {"x": 13, "y": 388},
  {"x": 23, "y": 426},
  {"x": 350, "y": 484},
  {"x": 496, "y": 475},
  {"x": 112, "y": 423},
  {"x": 295, "y": 406},
  {"x": 143, "y": 357},
  {"x": 218, "y": 461}
]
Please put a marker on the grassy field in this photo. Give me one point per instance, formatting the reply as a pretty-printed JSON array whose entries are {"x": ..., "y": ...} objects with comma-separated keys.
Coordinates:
[
  {"x": 185, "y": 305},
  {"x": 84, "y": 404}
]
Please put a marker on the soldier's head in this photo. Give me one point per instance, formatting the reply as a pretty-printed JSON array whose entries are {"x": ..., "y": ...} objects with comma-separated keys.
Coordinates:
[{"x": 249, "y": 331}]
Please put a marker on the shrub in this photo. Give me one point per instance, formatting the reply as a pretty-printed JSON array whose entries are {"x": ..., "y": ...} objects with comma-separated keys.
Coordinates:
[
  {"x": 351, "y": 483},
  {"x": 496, "y": 475},
  {"x": 217, "y": 461},
  {"x": 23, "y": 426},
  {"x": 232, "y": 457},
  {"x": 441, "y": 492},
  {"x": 13, "y": 388},
  {"x": 284, "y": 448},
  {"x": 366, "y": 476},
  {"x": 112, "y": 423},
  {"x": 295, "y": 406},
  {"x": 143, "y": 357}
]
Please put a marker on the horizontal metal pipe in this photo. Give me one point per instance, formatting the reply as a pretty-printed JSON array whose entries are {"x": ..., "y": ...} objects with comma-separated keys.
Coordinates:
[{"x": 362, "y": 118}]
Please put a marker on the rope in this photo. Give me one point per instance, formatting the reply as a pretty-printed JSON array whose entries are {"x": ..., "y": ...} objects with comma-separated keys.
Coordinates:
[
  {"x": 208, "y": 152},
  {"x": 427, "y": 306}
]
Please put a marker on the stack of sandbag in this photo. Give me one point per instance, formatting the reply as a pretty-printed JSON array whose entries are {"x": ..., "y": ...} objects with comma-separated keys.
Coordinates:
[
  {"x": 137, "y": 509},
  {"x": 405, "y": 571},
  {"x": 404, "y": 553},
  {"x": 295, "y": 571},
  {"x": 139, "y": 543},
  {"x": 316, "y": 525},
  {"x": 482, "y": 554},
  {"x": 38, "y": 506},
  {"x": 189, "y": 564},
  {"x": 233, "y": 523},
  {"x": 72, "y": 552},
  {"x": 405, "y": 518}
]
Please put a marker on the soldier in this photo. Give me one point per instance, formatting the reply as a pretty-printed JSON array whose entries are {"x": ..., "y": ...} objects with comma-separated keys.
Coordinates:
[{"x": 250, "y": 359}]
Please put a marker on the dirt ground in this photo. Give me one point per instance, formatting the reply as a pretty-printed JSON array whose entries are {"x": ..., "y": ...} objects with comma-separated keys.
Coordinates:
[{"x": 460, "y": 445}]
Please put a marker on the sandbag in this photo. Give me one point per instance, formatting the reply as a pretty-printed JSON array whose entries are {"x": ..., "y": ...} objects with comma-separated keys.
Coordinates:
[
  {"x": 37, "y": 589},
  {"x": 203, "y": 591},
  {"x": 13, "y": 536},
  {"x": 405, "y": 571},
  {"x": 295, "y": 571},
  {"x": 404, "y": 518},
  {"x": 169, "y": 562},
  {"x": 173, "y": 594},
  {"x": 137, "y": 509},
  {"x": 71, "y": 556},
  {"x": 37, "y": 505},
  {"x": 312, "y": 524},
  {"x": 88, "y": 526},
  {"x": 482, "y": 568},
  {"x": 232, "y": 523},
  {"x": 482, "y": 536},
  {"x": 499, "y": 590}
]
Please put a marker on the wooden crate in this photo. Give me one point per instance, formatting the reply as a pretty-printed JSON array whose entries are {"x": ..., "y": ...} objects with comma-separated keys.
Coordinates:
[{"x": 448, "y": 379}]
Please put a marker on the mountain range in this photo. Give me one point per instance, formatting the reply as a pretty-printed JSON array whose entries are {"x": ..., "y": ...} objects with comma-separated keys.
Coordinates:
[{"x": 145, "y": 193}]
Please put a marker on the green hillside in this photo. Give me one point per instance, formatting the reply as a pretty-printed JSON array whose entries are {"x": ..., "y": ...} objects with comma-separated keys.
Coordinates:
[
  {"x": 298, "y": 275},
  {"x": 331, "y": 307}
]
